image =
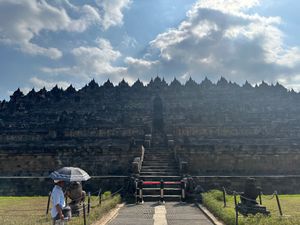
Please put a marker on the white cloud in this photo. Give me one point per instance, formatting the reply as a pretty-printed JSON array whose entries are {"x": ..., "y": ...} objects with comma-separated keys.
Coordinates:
[
  {"x": 89, "y": 16},
  {"x": 141, "y": 68},
  {"x": 112, "y": 11},
  {"x": 230, "y": 6},
  {"x": 22, "y": 21},
  {"x": 290, "y": 81},
  {"x": 33, "y": 49},
  {"x": 25, "y": 90},
  {"x": 92, "y": 62},
  {"x": 217, "y": 37},
  {"x": 55, "y": 71},
  {"x": 128, "y": 42},
  {"x": 221, "y": 37},
  {"x": 139, "y": 62},
  {"x": 97, "y": 59},
  {"x": 40, "y": 83}
]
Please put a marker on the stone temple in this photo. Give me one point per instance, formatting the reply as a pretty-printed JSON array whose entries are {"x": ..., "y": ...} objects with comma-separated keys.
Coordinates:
[{"x": 219, "y": 133}]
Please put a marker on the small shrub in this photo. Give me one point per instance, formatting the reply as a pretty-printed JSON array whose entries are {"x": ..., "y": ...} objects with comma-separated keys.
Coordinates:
[{"x": 106, "y": 194}]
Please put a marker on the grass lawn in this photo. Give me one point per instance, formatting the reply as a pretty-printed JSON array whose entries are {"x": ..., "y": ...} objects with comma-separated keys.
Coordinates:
[
  {"x": 290, "y": 205},
  {"x": 32, "y": 210}
]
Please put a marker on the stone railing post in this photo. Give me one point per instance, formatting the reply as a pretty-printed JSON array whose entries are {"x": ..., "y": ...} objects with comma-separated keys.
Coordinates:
[
  {"x": 183, "y": 189},
  {"x": 162, "y": 198},
  {"x": 142, "y": 153},
  {"x": 140, "y": 187}
]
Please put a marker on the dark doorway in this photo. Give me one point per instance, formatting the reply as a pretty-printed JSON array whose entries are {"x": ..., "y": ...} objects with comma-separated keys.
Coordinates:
[{"x": 158, "y": 121}]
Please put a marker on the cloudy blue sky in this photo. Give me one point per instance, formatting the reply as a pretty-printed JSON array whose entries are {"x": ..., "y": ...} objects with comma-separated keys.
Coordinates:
[{"x": 43, "y": 43}]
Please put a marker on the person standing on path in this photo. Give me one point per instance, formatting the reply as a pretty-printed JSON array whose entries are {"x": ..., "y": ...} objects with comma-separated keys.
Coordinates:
[{"x": 58, "y": 202}]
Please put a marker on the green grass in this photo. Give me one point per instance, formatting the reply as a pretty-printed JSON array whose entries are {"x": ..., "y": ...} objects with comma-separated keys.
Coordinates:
[
  {"x": 290, "y": 205},
  {"x": 32, "y": 210}
]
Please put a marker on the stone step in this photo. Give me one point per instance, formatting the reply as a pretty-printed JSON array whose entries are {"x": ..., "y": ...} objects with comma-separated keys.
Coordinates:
[
  {"x": 158, "y": 150},
  {"x": 158, "y": 153},
  {"x": 159, "y": 178},
  {"x": 166, "y": 186},
  {"x": 158, "y": 171},
  {"x": 178, "y": 196},
  {"x": 162, "y": 170},
  {"x": 159, "y": 160},
  {"x": 160, "y": 157},
  {"x": 169, "y": 198},
  {"x": 152, "y": 157},
  {"x": 159, "y": 163},
  {"x": 148, "y": 169},
  {"x": 159, "y": 166},
  {"x": 169, "y": 169},
  {"x": 155, "y": 162},
  {"x": 166, "y": 189},
  {"x": 158, "y": 174},
  {"x": 166, "y": 192}
]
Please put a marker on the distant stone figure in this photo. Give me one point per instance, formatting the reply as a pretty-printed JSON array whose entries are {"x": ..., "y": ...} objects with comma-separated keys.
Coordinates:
[
  {"x": 77, "y": 195},
  {"x": 198, "y": 193},
  {"x": 248, "y": 204},
  {"x": 251, "y": 192}
]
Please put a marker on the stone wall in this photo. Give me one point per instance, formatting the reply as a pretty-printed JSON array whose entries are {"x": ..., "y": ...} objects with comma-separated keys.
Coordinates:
[
  {"x": 40, "y": 161},
  {"x": 269, "y": 184},
  {"x": 38, "y": 135},
  {"x": 24, "y": 169},
  {"x": 236, "y": 131},
  {"x": 240, "y": 160}
]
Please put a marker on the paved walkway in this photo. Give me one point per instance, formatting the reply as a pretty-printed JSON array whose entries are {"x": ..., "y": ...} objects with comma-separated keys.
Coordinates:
[{"x": 150, "y": 213}]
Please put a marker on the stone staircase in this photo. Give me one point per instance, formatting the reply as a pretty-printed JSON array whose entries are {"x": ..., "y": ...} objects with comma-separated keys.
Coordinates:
[{"x": 159, "y": 164}]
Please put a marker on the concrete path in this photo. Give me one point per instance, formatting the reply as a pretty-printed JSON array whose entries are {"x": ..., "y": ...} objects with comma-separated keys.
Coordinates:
[{"x": 150, "y": 213}]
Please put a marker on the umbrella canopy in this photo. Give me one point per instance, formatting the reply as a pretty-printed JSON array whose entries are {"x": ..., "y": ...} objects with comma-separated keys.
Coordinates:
[{"x": 70, "y": 174}]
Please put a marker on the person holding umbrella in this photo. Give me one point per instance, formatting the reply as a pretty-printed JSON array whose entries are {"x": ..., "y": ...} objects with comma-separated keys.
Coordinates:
[
  {"x": 65, "y": 174},
  {"x": 58, "y": 203}
]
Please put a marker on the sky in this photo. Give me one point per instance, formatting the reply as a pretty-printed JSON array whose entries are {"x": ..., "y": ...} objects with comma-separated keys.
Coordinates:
[{"x": 63, "y": 42}]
